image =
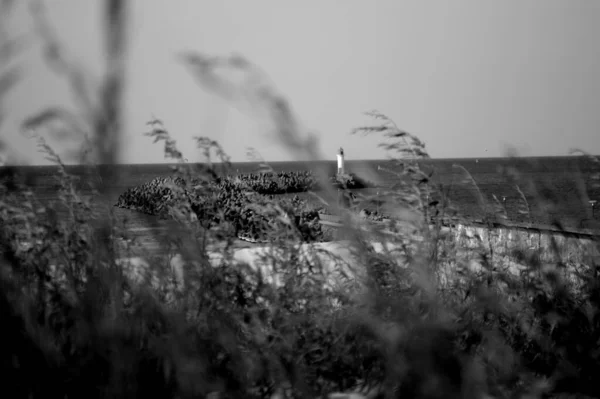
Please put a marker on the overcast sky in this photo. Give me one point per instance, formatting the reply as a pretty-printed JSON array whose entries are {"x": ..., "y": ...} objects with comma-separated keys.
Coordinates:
[{"x": 469, "y": 77}]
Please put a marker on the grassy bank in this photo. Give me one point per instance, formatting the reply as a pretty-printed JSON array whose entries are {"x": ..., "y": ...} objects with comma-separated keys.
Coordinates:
[{"x": 444, "y": 314}]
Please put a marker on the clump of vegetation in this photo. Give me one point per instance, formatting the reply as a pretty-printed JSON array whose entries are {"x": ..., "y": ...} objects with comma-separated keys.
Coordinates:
[
  {"x": 350, "y": 181},
  {"x": 272, "y": 183},
  {"x": 232, "y": 199},
  {"x": 218, "y": 201},
  {"x": 154, "y": 197}
]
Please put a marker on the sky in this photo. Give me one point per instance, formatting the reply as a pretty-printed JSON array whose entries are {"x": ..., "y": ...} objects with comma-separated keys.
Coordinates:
[{"x": 471, "y": 78}]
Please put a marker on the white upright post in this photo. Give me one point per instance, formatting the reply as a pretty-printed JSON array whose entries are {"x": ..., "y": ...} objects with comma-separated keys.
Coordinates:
[{"x": 340, "y": 161}]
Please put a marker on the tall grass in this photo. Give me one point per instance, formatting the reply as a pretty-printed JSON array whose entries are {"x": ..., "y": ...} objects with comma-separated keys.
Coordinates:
[{"x": 438, "y": 317}]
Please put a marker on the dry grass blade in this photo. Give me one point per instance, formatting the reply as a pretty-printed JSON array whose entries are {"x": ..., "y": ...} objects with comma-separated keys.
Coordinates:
[
  {"x": 407, "y": 144},
  {"x": 207, "y": 145},
  {"x": 470, "y": 180}
]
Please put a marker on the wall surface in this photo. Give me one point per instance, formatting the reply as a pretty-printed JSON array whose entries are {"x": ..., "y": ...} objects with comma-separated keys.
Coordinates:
[{"x": 508, "y": 249}]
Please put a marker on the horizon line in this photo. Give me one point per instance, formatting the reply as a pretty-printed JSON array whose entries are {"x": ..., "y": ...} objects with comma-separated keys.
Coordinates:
[{"x": 318, "y": 160}]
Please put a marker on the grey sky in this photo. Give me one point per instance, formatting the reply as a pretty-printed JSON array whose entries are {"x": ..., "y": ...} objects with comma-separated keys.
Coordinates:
[{"x": 465, "y": 76}]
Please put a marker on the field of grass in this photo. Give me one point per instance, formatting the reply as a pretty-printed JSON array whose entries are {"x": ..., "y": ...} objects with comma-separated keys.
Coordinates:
[{"x": 449, "y": 313}]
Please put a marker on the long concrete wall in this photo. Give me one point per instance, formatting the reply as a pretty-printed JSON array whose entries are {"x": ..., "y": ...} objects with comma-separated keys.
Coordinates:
[
  {"x": 335, "y": 261},
  {"x": 507, "y": 248},
  {"x": 552, "y": 245}
]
